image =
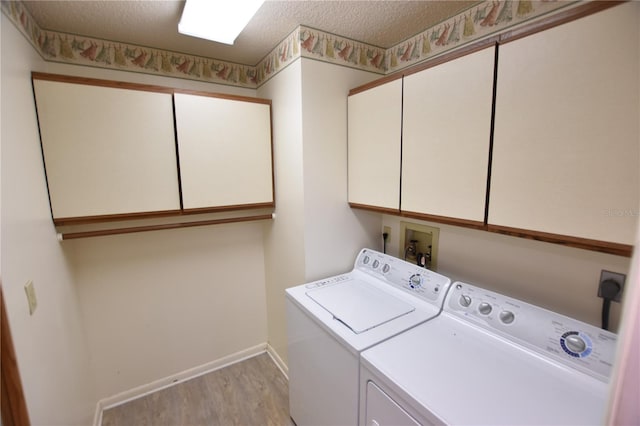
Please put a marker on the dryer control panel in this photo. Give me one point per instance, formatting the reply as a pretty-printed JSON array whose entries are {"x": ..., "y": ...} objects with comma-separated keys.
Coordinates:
[
  {"x": 569, "y": 341},
  {"x": 420, "y": 282}
]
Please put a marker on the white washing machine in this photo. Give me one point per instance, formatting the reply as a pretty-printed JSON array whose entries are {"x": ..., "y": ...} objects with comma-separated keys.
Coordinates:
[
  {"x": 488, "y": 359},
  {"x": 330, "y": 321}
]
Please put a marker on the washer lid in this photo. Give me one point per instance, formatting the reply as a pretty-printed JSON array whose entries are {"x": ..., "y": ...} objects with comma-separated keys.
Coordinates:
[{"x": 358, "y": 305}]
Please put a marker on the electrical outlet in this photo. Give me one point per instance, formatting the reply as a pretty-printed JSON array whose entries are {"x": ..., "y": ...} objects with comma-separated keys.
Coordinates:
[
  {"x": 387, "y": 230},
  {"x": 31, "y": 296},
  {"x": 615, "y": 276}
]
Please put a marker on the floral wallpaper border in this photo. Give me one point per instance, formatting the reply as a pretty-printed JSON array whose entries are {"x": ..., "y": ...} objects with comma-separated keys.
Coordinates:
[{"x": 481, "y": 20}]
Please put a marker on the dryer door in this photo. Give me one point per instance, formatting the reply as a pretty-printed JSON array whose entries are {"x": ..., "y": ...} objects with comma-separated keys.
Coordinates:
[{"x": 381, "y": 410}]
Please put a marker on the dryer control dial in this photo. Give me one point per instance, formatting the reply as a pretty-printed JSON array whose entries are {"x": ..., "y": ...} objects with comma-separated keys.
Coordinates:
[
  {"x": 375, "y": 264},
  {"x": 576, "y": 344},
  {"x": 507, "y": 317},
  {"x": 415, "y": 281},
  {"x": 465, "y": 300},
  {"x": 484, "y": 308},
  {"x": 386, "y": 268}
]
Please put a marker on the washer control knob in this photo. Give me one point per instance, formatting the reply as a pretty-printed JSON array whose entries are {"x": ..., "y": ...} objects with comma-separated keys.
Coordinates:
[
  {"x": 375, "y": 264},
  {"x": 465, "y": 300},
  {"x": 366, "y": 260},
  {"x": 386, "y": 268},
  {"x": 484, "y": 308},
  {"x": 415, "y": 281},
  {"x": 507, "y": 317},
  {"x": 575, "y": 343}
]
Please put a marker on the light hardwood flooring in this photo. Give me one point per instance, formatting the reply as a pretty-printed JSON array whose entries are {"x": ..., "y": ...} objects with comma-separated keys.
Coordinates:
[{"x": 248, "y": 393}]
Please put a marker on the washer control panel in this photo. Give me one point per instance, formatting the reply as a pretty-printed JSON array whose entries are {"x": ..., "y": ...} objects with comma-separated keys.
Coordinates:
[
  {"x": 573, "y": 343},
  {"x": 420, "y": 282},
  {"x": 329, "y": 281}
]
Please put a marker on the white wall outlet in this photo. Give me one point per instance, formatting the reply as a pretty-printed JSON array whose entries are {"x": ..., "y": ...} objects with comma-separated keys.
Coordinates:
[{"x": 31, "y": 296}]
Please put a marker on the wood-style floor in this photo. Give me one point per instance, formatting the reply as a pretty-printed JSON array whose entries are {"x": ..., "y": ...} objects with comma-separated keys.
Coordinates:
[{"x": 248, "y": 393}]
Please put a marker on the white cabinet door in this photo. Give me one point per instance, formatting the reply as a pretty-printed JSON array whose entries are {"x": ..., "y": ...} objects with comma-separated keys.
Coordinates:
[
  {"x": 224, "y": 148},
  {"x": 374, "y": 132},
  {"x": 107, "y": 150},
  {"x": 446, "y": 136},
  {"x": 565, "y": 158}
]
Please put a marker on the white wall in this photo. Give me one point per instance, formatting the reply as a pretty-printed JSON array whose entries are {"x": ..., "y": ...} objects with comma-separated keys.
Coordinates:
[
  {"x": 50, "y": 345},
  {"x": 284, "y": 236},
  {"x": 158, "y": 303},
  {"x": 315, "y": 233},
  {"x": 334, "y": 233},
  {"x": 559, "y": 278}
]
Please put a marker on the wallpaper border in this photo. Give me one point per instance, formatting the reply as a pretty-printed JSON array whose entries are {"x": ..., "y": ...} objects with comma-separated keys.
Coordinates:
[{"x": 479, "y": 21}]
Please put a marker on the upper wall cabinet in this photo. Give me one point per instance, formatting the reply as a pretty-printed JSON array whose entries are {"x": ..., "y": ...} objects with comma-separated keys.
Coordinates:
[
  {"x": 110, "y": 150},
  {"x": 446, "y": 136},
  {"x": 107, "y": 150},
  {"x": 565, "y": 154},
  {"x": 374, "y": 131},
  {"x": 224, "y": 146}
]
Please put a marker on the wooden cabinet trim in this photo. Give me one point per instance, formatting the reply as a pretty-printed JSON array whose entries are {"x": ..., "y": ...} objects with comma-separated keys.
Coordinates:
[
  {"x": 376, "y": 209},
  {"x": 101, "y": 83},
  {"x": 615, "y": 249},
  {"x": 142, "y": 87},
  {"x": 376, "y": 83},
  {"x": 83, "y": 220},
  {"x": 117, "y": 231},
  {"x": 223, "y": 96},
  {"x": 14, "y": 407},
  {"x": 228, "y": 208},
  {"x": 566, "y": 240},
  {"x": 466, "y": 223}
]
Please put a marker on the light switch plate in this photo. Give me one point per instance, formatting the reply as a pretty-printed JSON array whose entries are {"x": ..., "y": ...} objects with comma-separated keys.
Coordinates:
[{"x": 31, "y": 296}]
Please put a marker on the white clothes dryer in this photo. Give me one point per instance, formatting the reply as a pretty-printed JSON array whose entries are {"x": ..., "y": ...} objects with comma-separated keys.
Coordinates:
[
  {"x": 330, "y": 321},
  {"x": 488, "y": 359}
]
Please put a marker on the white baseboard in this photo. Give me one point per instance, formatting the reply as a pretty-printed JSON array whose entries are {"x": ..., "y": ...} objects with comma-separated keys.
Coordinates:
[
  {"x": 278, "y": 361},
  {"x": 174, "y": 379}
]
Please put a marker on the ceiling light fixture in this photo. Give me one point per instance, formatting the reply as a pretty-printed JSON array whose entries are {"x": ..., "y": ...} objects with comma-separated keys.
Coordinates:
[{"x": 217, "y": 20}]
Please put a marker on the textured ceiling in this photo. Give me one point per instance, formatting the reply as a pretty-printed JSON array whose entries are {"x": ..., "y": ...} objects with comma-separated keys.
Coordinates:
[{"x": 154, "y": 23}]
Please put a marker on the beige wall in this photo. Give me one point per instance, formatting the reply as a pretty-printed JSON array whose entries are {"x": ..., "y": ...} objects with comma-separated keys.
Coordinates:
[
  {"x": 158, "y": 303},
  {"x": 559, "y": 278},
  {"x": 114, "y": 312},
  {"x": 334, "y": 233},
  {"x": 50, "y": 345},
  {"x": 122, "y": 311},
  {"x": 284, "y": 237},
  {"x": 315, "y": 234}
]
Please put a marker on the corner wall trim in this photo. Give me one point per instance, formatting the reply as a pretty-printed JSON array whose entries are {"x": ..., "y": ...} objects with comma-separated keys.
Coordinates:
[{"x": 278, "y": 360}]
